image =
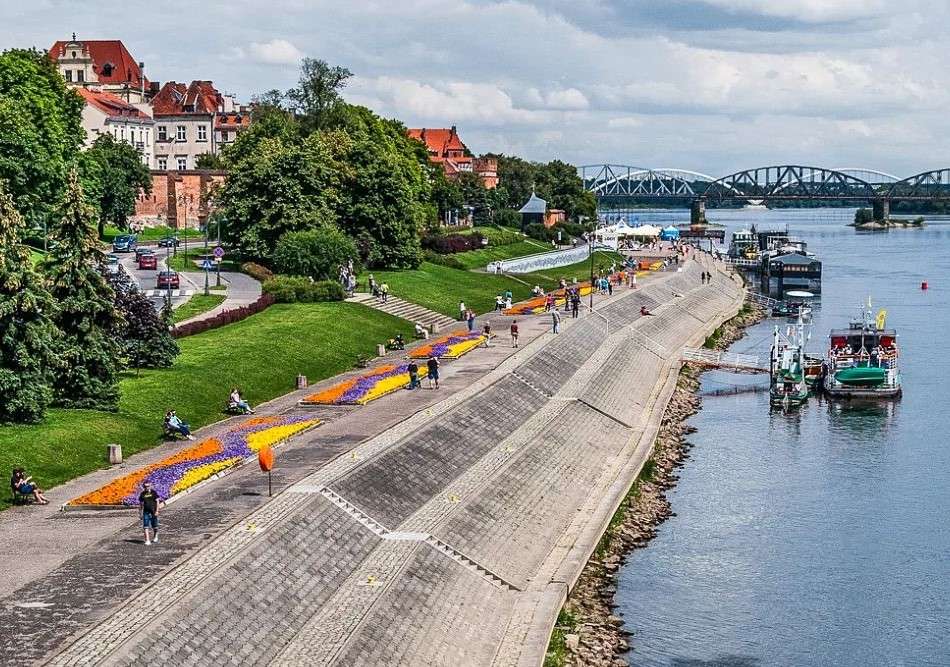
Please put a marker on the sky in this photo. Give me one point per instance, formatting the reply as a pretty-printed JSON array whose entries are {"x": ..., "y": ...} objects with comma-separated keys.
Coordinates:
[{"x": 714, "y": 86}]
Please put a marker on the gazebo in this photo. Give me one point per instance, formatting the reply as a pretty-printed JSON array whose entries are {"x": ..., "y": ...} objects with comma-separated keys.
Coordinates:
[{"x": 533, "y": 211}]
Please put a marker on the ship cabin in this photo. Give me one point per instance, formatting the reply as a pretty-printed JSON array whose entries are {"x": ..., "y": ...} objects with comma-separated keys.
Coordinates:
[
  {"x": 791, "y": 271},
  {"x": 859, "y": 346}
]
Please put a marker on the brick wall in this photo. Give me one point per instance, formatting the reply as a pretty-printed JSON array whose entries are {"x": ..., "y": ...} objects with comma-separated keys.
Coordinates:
[{"x": 178, "y": 198}]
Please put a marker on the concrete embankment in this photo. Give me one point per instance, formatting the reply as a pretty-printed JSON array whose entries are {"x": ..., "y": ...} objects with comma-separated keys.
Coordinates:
[
  {"x": 588, "y": 632},
  {"x": 452, "y": 537}
]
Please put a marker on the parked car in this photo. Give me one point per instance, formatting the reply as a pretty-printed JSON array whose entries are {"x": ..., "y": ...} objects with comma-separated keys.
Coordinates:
[
  {"x": 168, "y": 279},
  {"x": 169, "y": 242},
  {"x": 124, "y": 243},
  {"x": 148, "y": 261}
]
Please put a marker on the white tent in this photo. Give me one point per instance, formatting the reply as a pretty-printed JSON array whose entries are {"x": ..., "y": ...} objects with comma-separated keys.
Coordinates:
[{"x": 645, "y": 231}]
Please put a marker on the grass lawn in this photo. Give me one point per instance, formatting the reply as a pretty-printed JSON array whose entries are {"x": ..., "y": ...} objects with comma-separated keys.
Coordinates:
[
  {"x": 151, "y": 233},
  {"x": 440, "y": 288},
  {"x": 479, "y": 259},
  {"x": 196, "y": 305},
  {"x": 186, "y": 262},
  {"x": 262, "y": 355}
]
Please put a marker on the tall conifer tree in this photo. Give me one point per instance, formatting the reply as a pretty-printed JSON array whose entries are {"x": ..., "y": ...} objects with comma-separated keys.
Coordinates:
[
  {"x": 27, "y": 335},
  {"x": 89, "y": 353}
]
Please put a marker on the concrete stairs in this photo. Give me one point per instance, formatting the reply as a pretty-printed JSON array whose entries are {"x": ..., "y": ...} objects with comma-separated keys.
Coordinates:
[{"x": 431, "y": 320}]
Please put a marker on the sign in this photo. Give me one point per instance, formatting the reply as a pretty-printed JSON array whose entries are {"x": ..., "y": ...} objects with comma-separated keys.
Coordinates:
[
  {"x": 218, "y": 252},
  {"x": 207, "y": 265}
]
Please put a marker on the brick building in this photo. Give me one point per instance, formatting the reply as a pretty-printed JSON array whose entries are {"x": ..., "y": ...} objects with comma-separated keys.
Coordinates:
[
  {"x": 446, "y": 148},
  {"x": 179, "y": 199}
]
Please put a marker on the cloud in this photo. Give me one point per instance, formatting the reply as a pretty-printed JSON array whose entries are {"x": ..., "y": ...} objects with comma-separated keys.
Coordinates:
[{"x": 275, "y": 52}]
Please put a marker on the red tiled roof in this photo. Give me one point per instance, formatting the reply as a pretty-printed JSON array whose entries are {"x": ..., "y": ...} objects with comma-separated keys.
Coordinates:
[
  {"x": 176, "y": 99},
  {"x": 232, "y": 121},
  {"x": 438, "y": 140},
  {"x": 109, "y": 104},
  {"x": 107, "y": 51}
]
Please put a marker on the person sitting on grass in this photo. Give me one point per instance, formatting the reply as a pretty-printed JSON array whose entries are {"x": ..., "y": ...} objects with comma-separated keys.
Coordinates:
[
  {"x": 174, "y": 424},
  {"x": 235, "y": 401},
  {"x": 23, "y": 484}
]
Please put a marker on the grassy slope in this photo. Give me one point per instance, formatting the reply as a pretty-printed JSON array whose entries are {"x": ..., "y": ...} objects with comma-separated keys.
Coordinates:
[
  {"x": 261, "y": 355},
  {"x": 440, "y": 288},
  {"x": 196, "y": 305},
  {"x": 479, "y": 259}
]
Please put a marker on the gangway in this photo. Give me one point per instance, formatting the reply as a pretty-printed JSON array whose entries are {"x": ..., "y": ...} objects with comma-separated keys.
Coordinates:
[
  {"x": 761, "y": 299},
  {"x": 727, "y": 360}
]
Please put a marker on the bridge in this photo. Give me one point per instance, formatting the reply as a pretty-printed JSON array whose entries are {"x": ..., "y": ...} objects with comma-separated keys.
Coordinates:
[{"x": 759, "y": 185}]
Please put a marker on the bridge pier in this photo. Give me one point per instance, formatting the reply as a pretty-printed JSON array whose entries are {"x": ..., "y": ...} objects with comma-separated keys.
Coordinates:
[
  {"x": 697, "y": 213},
  {"x": 881, "y": 209}
]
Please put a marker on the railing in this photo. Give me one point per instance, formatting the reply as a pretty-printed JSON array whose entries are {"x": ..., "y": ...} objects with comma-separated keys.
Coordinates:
[
  {"x": 734, "y": 261},
  {"x": 717, "y": 359},
  {"x": 544, "y": 260},
  {"x": 761, "y": 299}
]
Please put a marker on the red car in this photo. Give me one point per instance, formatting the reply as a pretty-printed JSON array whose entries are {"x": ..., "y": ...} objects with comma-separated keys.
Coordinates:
[
  {"x": 168, "y": 280},
  {"x": 148, "y": 262}
]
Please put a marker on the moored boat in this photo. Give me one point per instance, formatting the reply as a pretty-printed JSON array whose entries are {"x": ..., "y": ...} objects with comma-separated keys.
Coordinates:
[
  {"x": 789, "y": 370},
  {"x": 863, "y": 359}
]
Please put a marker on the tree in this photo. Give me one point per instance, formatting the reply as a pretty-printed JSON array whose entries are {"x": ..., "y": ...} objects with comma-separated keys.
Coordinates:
[
  {"x": 144, "y": 336},
  {"x": 317, "y": 94},
  {"x": 114, "y": 175},
  {"x": 88, "y": 352},
  {"x": 556, "y": 182},
  {"x": 863, "y": 216},
  {"x": 209, "y": 161},
  {"x": 316, "y": 253},
  {"x": 27, "y": 335},
  {"x": 40, "y": 132}
]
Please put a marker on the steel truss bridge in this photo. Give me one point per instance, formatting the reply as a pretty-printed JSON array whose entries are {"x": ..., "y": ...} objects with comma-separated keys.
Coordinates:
[{"x": 764, "y": 184}]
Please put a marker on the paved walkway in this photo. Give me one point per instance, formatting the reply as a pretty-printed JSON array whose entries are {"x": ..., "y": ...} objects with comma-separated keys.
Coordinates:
[
  {"x": 429, "y": 527},
  {"x": 242, "y": 290}
]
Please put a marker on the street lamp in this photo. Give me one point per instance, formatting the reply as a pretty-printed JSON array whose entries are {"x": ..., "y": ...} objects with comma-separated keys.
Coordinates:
[{"x": 590, "y": 250}]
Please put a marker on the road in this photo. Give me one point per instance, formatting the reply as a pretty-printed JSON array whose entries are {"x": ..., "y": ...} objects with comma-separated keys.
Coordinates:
[{"x": 146, "y": 280}]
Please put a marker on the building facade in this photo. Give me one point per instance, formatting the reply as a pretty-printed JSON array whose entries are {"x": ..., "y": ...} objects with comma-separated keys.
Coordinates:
[
  {"x": 446, "y": 148},
  {"x": 106, "y": 113},
  {"x": 191, "y": 120},
  {"x": 102, "y": 65}
]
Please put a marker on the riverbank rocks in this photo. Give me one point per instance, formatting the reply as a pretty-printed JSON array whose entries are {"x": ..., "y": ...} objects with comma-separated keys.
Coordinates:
[{"x": 600, "y": 637}]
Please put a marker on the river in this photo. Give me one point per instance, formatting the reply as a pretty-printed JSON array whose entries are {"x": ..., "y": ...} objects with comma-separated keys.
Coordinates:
[{"x": 817, "y": 537}]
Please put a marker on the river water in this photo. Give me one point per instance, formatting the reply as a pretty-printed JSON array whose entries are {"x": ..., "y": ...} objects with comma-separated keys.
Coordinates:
[{"x": 821, "y": 536}]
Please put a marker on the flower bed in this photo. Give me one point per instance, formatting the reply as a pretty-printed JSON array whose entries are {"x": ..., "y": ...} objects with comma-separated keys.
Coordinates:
[
  {"x": 536, "y": 305},
  {"x": 365, "y": 388},
  {"x": 450, "y": 346},
  {"x": 197, "y": 463}
]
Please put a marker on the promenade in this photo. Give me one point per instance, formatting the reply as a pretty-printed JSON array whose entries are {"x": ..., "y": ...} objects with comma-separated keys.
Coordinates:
[{"x": 427, "y": 528}]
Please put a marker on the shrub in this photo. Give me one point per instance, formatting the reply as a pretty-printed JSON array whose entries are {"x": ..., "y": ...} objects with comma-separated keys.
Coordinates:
[
  {"x": 259, "y": 273},
  {"x": 538, "y": 231},
  {"x": 443, "y": 260},
  {"x": 298, "y": 289},
  {"x": 499, "y": 237},
  {"x": 448, "y": 244},
  {"x": 224, "y": 318},
  {"x": 508, "y": 217},
  {"x": 315, "y": 253}
]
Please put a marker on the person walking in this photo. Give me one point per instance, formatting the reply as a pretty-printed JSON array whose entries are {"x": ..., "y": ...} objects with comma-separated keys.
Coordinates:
[
  {"x": 514, "y": 333},
  {"x": 499, "y": 302},
  {"x": 432, "y": 366},
  {"x": 486, "y": 332},
  {"x": 413, "y": 370},
  {"x": 556, "y": 320},
  {"x": 384, "y": 292},
  {"x": 575, "y": 305},
  {"x": 470, "y": 316},
  {"x": 148, "y": 508},
  {"x": 462, "y": 310}
]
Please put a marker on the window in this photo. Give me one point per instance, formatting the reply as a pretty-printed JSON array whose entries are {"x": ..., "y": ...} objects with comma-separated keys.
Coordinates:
[
  {"x": 182, "y": 162},
  {"x": 202, "y": 133},
  {"x": 107, "y": 69},
  {"x": 163, "y": 164},
  {"x": 224, "y": 135},
  {"x": 80, "y": 75},
  {"x": 68, "y": 73},
  {"x": 180, "y": 133},
  {"x": 162, "y": 133},
  {"x": 122, "y": 133}
]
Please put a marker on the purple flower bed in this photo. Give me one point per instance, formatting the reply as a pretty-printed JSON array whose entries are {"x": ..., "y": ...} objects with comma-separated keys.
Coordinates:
[{"x": 367, "y": 382}]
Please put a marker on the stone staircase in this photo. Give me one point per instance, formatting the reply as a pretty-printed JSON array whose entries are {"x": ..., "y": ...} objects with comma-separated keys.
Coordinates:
[{"x": 430, "y": 319}]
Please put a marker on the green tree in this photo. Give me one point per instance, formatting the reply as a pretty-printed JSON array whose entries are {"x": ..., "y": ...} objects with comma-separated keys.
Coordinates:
[
  {"x": 863, "y": 216},
  {"x": 27, "y": 334},
  {"x": 88, "y": 353},
  {"x": 113, "y": 177},
  {"x": 316, "y": 253},
  {"x": 317, "y": 95},
  {"x": 40, "y": 132},
  {"x": 209, "y": 161}
]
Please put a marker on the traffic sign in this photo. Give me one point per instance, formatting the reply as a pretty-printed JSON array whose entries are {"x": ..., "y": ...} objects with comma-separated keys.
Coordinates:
[
  {"x": 219, "y": 252},
  {"x": 207, "y": 265}
]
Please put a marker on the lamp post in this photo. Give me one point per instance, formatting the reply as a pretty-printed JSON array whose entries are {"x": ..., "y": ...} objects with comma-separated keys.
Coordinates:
[
  {"x": 168, "y": 282},
  {"x": 590, "y": 250}
]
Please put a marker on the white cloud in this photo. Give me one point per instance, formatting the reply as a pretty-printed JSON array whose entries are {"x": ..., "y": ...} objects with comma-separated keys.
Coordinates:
[{"x": 275, "y": 52}]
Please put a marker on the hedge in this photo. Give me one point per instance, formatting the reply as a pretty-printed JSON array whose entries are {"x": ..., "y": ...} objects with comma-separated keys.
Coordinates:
[
  {"x": 297, "y": 289},
  {"x": 224, "y": 318}
]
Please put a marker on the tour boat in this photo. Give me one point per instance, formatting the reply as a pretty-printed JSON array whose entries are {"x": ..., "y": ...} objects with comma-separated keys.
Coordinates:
[
  {"x": 789, "y": 384},
  {"x": 863, "y": 359}
]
